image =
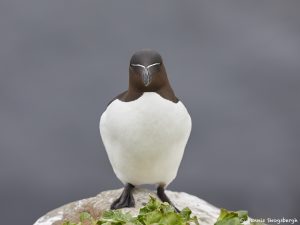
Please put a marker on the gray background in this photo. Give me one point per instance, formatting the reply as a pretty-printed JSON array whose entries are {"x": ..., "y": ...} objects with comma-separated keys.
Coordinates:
[{"x": 234, "y": 64}]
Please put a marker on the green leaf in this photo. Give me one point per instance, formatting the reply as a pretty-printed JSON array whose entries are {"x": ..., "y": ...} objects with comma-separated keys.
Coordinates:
[
  {"x": 243, "y": 215},
  {"x": 172, "y": 219},
  {"x": 186, "y": 213},
  {"x": 115, "y": 217},
  {"x": 227, "y": 217},
  {"x": 152, "y": 205},
  {"x": 85, "y": 216},
  {"x": 152, "y": 217}
]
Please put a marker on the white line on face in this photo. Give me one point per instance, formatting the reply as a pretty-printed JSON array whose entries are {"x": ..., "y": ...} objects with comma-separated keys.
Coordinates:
[
  {"x": 154, "y": 64},
  {"x": 139, "y": 65}
]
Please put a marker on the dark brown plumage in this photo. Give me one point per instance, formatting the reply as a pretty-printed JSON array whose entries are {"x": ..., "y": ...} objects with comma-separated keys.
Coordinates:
[{"x": 156, "y": 74}]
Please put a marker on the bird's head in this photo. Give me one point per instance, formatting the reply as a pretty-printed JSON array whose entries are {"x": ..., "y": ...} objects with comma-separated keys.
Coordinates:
[{"x": 146, "y": 70}]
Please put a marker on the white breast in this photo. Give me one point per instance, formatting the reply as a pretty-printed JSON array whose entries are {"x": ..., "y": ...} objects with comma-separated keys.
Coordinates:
[{"x": 145, "y": 138}]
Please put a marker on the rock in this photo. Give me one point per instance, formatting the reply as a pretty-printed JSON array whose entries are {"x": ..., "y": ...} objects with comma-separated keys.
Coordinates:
[{"x": 206, "y": 213}]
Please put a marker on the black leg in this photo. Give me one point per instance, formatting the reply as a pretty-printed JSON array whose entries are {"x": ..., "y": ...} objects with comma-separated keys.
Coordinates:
[
  {"x": 126, "y": 199},
  {"x": 163, "y": 197}
]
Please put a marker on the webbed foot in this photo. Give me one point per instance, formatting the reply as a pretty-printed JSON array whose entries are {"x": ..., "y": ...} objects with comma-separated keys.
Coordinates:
[
  {"x": 126, "y": 199},
  {"x": 164, "y": 198}
]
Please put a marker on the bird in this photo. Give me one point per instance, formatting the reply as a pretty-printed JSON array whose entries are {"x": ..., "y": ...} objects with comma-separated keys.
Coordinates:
[{"x": 145, "y": 129}]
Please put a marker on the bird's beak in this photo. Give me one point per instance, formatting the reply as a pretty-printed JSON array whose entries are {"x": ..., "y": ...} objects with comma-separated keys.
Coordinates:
[{"x": 147, "y": 77}]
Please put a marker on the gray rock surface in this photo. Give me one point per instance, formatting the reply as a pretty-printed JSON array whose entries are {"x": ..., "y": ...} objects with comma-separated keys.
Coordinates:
[{"x": 206, "y": 213}]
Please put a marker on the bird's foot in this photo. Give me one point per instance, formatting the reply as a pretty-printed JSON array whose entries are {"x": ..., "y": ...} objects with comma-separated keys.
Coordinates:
[
  {"x": 164, "y": 198},
  {"x": 126, "y": 199}
]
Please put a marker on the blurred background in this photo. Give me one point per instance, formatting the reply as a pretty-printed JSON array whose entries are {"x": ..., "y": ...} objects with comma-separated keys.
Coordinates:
[{"x": 234, "y": 64}]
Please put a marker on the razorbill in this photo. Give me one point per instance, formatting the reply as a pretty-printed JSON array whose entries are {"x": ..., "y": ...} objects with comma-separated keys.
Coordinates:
[{"x": 145, "y": 129}]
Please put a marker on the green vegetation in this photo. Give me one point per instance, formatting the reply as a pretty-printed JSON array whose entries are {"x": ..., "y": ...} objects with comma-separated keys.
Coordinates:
[
  {"x": 157, "y": 213},
  {"x": 231, "y": 218}
]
